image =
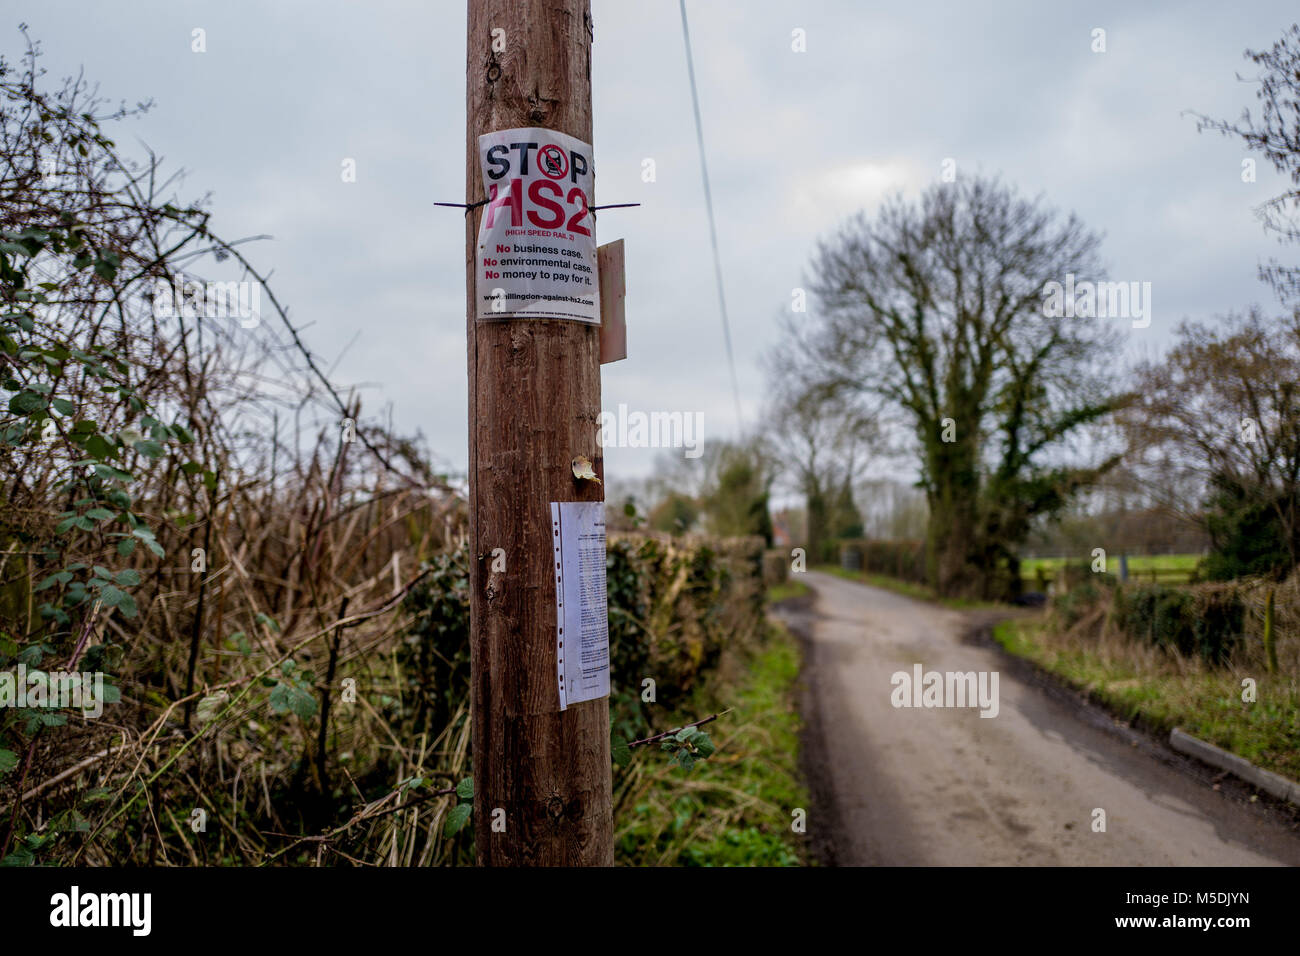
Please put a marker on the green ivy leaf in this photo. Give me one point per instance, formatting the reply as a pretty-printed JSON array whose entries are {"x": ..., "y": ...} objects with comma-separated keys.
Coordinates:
[
  {"x": 127, "y": 606},
  {"x": 304, "y": 704},
  {"x": 100, "y": 447},
  {"x": 457, "y": 819},
  {"x": 44, "y": 718},
  {"x": 622, "y": 753},
  {"x": 292, "y": 697},
  {"x": 105, "y": 268},
  {"x": 146, "y": 535},
  {"x": 59, "y": 577},
  {"x": 465, "y": 789},
  {"x": 25, "y": 403},
  {"x": 111, "y": 596}
]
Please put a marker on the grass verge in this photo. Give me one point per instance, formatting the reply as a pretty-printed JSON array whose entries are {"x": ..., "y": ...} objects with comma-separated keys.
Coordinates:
[
  {"x": 1161, "y": 692},
  {"x": 733, "y": 809},
  {"x": 786, "y": 590}
]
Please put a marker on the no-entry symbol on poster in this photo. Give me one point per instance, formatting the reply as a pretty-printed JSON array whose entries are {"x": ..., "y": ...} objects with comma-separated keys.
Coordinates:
[
  {"x": 537, "y": 238},
  {"x": 554, "y": 163}
]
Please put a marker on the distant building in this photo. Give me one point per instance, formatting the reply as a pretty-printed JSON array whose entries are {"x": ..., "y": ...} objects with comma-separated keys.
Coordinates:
[{"x": 785, "y": 526}]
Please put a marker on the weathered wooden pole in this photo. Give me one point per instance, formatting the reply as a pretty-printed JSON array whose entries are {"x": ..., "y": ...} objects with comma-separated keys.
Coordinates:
[{"x": 534, "y": 405}]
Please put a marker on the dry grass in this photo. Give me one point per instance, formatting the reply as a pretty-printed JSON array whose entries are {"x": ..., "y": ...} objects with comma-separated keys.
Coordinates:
[{"x": 1163, "y": 688}]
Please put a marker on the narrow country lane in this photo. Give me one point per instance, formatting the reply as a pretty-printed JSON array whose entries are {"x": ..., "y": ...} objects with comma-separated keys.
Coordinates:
[{"x": 945, "y": 786}]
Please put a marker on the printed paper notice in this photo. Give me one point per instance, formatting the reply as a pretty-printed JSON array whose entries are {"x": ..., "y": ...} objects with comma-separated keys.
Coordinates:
[
  {"x": 537, "y": 237},
  {"x": 581, "y": 607}
]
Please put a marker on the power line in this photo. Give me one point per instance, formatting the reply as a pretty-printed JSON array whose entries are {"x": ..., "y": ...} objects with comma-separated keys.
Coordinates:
[{"x": 713, "y": 229}]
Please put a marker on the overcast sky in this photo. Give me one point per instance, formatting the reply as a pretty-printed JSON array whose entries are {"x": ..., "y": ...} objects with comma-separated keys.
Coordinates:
[{"x": 796, "y": 142}]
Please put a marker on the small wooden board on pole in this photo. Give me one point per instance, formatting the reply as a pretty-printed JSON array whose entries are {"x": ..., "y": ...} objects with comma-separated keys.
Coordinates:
[{"x": 613, "y": 292}]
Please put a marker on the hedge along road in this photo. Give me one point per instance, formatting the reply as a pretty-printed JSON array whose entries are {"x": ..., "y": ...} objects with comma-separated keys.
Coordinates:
[{"x": 945, "y": 786}]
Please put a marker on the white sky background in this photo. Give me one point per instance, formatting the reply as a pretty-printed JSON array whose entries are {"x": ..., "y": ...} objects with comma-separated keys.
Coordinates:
[{"x": 796, "y": 142}]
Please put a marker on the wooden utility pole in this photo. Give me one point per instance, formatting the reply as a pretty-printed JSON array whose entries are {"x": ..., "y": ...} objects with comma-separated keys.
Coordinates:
[{"x": 534, "y": 405}]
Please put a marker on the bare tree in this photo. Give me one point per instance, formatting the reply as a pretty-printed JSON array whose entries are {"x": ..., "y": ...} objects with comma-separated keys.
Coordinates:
[
  {"x": 1224, "y": 406},
  {"x": 819, "y": 440},
  {"x": 1275, "y": 132},
  {"x": 936, "y": 307}
]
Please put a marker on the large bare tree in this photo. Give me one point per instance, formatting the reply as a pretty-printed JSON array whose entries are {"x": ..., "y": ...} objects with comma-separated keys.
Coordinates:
[{"x": 937, "y": 307}]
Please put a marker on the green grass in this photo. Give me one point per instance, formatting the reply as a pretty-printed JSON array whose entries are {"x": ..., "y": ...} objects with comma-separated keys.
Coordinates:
[
  {"x": 1205, "y": 703},
  {"x": 786, "y": 590},
  {"x": 919, "y": 592},
  {"x": 733, "y": 809},
  {"x": 1168, "y": 568}
]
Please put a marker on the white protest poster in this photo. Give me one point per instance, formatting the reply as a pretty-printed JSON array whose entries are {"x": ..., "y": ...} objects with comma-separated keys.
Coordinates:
[
  {"x": 537, "y": 238},
  {"x": 581, "y": 607}
]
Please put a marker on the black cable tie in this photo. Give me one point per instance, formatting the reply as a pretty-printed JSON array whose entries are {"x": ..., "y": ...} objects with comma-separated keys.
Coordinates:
[
  {"x": 616, "y": 205},
  {"x": 467, "y": 206}
]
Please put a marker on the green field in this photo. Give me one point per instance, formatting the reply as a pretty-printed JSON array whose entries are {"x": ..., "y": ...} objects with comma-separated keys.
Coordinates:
[{"x": 1165, "y": 568}]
